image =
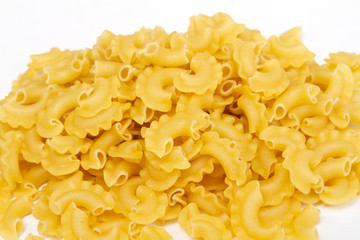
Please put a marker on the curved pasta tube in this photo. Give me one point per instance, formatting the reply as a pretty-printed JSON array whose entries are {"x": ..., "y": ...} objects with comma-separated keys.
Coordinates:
[
  {"x": 207, "y": 201},
  {"x": 340, "y": 190},
  {"x": 49, "y": 223},
  {"x": 271, "y": 80},
  {"x": 301, "y": 164},
  {"x": 227, "y": 153},
  {"x": 166, "y": 57},
  {"x": 277, "y": 187},
  {"x": 280, "y": 138},
  {"x": 336, "y": 148},
  {"x": 244, "y": 212},
  {"x": 98, "y": 97},
  {"x": 246, "y": 56},
  {"x": 150, "y": 87},
  {"x": 105, "y": 69},
  {"x": 208, "y": 75},
  {"x": 339, "y": 82},
  {"x": 127, "y": 91},
  {"x": 303, "y": 225},
  {"x": 281, "y": 213},
  {"x": 116, "y": 173},
  {"x": 341, "y": 115},
  {"x": 334, "y": 168},
  {"x": 84, "y": 194},
  {"x": 250, "y": 104},
  {"x": 140, "y": 113},
  {"x": 288, "y": 49},
  {"x": 48, "y": 122},
  {"x": 60, "y": 164},
  {"x": 157, "y": 179},
  {"x": 293, "y": 97},
  {"x": 195, "y": 104},
  {"x": 159, "y": 138},
  {"x": 32, "y": 148},
  {"x": 69, "y": 144},
  {"x": 199, "y": 167},
  {"x": 191, "y": 148},
  {"x": 227, "y": 128},
  {"x": 264, "y": 160},
  {"x": 80, "y": 126},
  {"x": 39, "y": 61},
  {"x": 131, "y": 151},
  {"x": 176, "y": 159},
  {"x": 154, "y": 232},
  {"x": 97, "y": 155},
  {"x": 24, "y": 115},
  {"x": 226, "y": 28},
  {"x": 198, "y": 225},
  {"x": 11, "y": 225},
  {"x": 9, "y": 159},
  {"x": 75, "y": 225},
  {"x": 124, "y": 47},
  {"x": 313, "y": 126},
  {"x": 150, "y": 207}
]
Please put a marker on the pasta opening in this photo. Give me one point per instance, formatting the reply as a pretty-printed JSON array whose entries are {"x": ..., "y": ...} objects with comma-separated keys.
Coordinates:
[
  {"x": 55, "y": 122},
  {"x": 124, "y": 73},
  {"x": 312, "y": 93},
  {"x": 227, "y": 87},
  {"x": 20, "y": 96},
  {"x": 347, "y": 166},
  {"x": 328, "y": 107},
  {"x": 319, "y": 186},
  {"x": 98, "y": 211},
  {"x": 108, "y": 53},
  {"x": 18, "y": 226},
  {"x": 226, "y": 70},
  {"x": 121, "y": 179},
  {"x": 168, "y": 147},
  {"x": 101, "y": 156},
  {"x": 232, "y": 145},
  {"x": 151, "y": 49},
  {"x": 126, "y": 136},
  {"x": 279, "y": 111},
  {"x": 270, "y": 144},
  {"x": 76, "y": 65},
  {"x": 30, "y": 185}
]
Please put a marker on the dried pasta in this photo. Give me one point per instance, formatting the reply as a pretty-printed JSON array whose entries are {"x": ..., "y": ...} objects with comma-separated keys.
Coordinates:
[{"x": 232, "y": 134}]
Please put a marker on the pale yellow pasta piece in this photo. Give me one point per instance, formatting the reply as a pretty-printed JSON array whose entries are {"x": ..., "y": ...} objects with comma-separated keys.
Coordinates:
[
  {"x": 75, "y": 225},
  {"x": 206, "y": 78},
  {"x": 91, "y": 197},
  {"x": 168, "y": 57},
  {"x": 97, "y": 155},
  {"x": 159, "y": 138},
  {"x": 281, "y": 213},
  {"x": 195, "y": 104},
  {"x": 271, "y": 80},
  {"x": 80, "y": 126},
  {"x": 48, "y": 122},
  {"x": 151, "y": 205},
  {"x": 124, "y": 46},
  {"x": 254, "y": 110},
  {"x": 176, "y": 159},
  {"x": 151, "y": 87},
  {"x": 199, "y": 166},
  {"x": 340, "y": 190},
  {"x": 228, "y": 128},
  {"x": 66, "y": 69},
  {"x": 59, "y": 164},
  {"x": 227, "y": 153},
  {"x": 49, "y": 223},
  {"x": 157, "y": 179},
  {"x": 154, "y": 232},
  {"x": 229, "y": 87},
  {"x": 277, "y": 187},
  {"x": 302, "y": 226},
  {"x": 39, "y": 61},
  {"x": 24, "y": 115},
  {"x": 116, "y": 172},
  {"x": 198, "y": 225},
  {"x": 246, "y": 56},
  {"x": 140, "y": 113},
  {"x": 280, "y": 138},
  {"x": 191, "y": 148},
  {"x": 32, "y": 148},
  {"x": 11, "y": 225},
  {"x": 69, "y": 144},
  {"x": 293, "y": 97},
  {"x": 301, "y": 164},
  {"x": 288, "y": 49},
  {"x": 207, "y": 201},
  {"x": 245, "y": 219},
  {"x": 10, "y": 147},
  {"x": 127, "y": 90},
  {"x": 98, "y": 97},
  {"x": 131, "y": 151},
  {"x": 264, "y": 161},
  {"x": 314, "y": 125}
]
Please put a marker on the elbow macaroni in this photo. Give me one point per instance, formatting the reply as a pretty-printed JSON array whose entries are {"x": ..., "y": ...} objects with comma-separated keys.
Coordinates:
[{"x": 233, "y": 134}]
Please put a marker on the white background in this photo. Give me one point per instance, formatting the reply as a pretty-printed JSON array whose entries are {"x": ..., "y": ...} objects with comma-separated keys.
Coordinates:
[{"x": 28, "y": 27}]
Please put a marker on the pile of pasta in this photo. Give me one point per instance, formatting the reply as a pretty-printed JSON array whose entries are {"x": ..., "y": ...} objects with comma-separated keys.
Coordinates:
[{"x": 225, "y": 131}]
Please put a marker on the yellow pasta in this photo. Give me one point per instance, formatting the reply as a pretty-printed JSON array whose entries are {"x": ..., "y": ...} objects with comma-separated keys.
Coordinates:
[{"x": 231, "y": 134}]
